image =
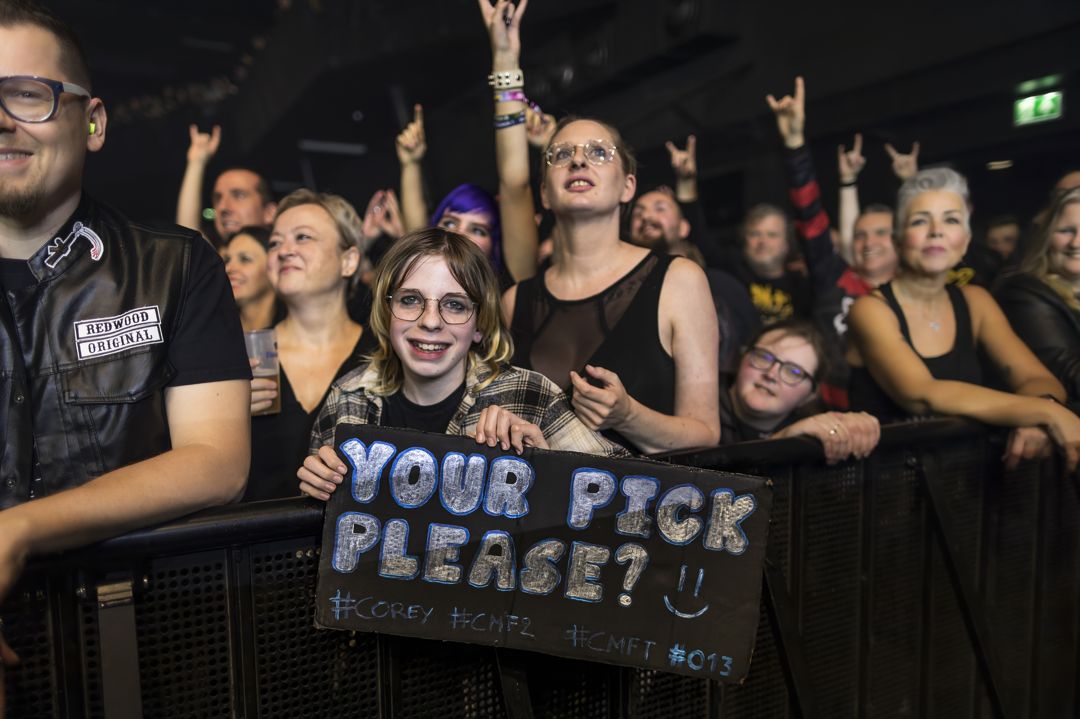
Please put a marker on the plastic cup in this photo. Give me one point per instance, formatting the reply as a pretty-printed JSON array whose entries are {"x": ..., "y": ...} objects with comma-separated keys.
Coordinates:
[{"x": 262, "y": 345}]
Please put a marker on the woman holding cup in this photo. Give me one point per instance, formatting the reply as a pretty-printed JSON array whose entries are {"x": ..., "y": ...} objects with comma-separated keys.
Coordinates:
[{"x": 313, "y": 264}]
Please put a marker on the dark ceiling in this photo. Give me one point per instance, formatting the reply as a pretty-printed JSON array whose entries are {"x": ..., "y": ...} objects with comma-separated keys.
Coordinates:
[{"x": 339, "y": 79}]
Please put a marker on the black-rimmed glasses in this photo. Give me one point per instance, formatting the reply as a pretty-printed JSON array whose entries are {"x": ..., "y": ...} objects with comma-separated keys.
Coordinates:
[
  {"x": 597, "y": 152},
  {"x": 409, "y": 305},
  {"x": 34, "y": 99},
  {"x": 790, "y": 373}
]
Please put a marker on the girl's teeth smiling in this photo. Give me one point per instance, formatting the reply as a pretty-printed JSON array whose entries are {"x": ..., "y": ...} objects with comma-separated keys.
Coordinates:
[{"x": 429, "y": 346}]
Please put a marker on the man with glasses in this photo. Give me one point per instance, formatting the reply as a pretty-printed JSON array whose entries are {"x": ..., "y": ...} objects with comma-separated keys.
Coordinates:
[
  {"x": 123, "y": 376},
  {"x": 777, "y": 383}
]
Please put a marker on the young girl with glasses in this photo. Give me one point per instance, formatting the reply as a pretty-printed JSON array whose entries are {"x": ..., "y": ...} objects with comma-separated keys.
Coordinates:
[
  {"x": 441, "y": 364},
  {"x": 633, "y": 335}
]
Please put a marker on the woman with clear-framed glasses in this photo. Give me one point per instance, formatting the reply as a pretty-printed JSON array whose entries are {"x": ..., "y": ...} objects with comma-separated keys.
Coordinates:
[
  {"x": 775, "y": 386},
  {"x": 631, "y": 334}
]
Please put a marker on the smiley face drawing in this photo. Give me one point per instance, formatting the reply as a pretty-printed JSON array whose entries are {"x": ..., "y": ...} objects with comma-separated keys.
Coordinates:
[{"x": 697, "y": 591}]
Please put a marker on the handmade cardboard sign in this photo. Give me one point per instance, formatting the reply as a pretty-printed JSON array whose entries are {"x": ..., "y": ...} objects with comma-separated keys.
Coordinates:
[{"x": 629, "y": 562}]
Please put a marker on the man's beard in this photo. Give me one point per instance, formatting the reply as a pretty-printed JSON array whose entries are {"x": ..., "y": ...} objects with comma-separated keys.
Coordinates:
[
  {"x": 652, "y": 240},
  {"x": 20, "y": 204}
]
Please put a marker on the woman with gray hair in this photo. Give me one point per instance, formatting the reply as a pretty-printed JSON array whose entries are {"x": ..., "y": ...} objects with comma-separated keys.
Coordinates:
[
  {"x": 313, "y": 263},
  {"x": 915, "y": 339}
]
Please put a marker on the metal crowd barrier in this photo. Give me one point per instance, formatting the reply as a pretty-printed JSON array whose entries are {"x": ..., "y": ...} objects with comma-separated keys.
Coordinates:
[{"x": 924, "y": 581}]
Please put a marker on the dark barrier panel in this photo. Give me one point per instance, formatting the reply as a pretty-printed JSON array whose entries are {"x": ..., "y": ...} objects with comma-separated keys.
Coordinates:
[{"x": 924, "y": 581}]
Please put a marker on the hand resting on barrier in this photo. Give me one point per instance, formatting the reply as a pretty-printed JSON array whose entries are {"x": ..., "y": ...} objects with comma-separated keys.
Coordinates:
[{"x": 842, "y": 434}]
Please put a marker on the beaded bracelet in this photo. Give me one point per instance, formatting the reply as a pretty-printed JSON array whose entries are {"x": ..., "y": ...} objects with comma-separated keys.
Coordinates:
[
  {"x": 514, "y": 118},
  {"x": 507, "y": 79}
]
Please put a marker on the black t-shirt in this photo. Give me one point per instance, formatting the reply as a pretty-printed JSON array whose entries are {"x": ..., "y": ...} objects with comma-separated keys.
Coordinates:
[
  {"x": 207, "y": 344},
  {"x": 399, "y": 412},
  {"x": 778, "y": 298}
]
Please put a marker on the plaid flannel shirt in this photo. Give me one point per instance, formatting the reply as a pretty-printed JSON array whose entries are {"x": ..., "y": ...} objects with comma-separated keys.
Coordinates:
[{"x": 530, "y": 395}]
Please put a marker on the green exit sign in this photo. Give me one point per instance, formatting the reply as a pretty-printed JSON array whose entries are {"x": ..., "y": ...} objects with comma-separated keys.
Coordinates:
[{"x": 1038, "y": 108}]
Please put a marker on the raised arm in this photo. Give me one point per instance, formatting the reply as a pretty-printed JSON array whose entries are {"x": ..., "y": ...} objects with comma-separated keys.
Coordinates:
[
  {"x": 694, "y": 344},
  {"x": 904, "y": 165},
  {"x": 189, "y": 203},
  {"x": 209, "y": 429},
  {"x": 519, "y": 231},
  {"x": 811, "y": 220},
  {"x": 411, "y": 147},
  {"x": 901, "y": 373},
  {"x": 849, "y": 163},
  {"x": 684, "y": 165}
]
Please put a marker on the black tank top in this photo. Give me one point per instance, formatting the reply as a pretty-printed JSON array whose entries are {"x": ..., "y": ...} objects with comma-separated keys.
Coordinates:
[
  {"x": 616, "y": 329},
  {"x": 961, "y": 363}
]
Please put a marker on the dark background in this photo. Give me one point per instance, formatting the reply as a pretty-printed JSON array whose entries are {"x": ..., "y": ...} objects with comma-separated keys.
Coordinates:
[{"x": 277, "y": 73}]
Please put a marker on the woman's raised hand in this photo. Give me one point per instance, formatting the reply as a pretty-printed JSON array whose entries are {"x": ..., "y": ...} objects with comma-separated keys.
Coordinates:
[{"x": 503, "y": 23}]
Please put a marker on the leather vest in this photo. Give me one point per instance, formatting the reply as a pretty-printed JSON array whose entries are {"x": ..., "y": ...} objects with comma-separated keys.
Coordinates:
[{"x": 83, "y": 354}]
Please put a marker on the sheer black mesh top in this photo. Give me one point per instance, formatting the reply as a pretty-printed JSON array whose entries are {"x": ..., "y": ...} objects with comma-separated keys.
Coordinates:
[{"x": 616, "y": 329}]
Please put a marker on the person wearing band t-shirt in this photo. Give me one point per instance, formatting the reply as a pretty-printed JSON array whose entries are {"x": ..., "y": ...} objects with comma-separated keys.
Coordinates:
[{"x": 124, "y": 398}]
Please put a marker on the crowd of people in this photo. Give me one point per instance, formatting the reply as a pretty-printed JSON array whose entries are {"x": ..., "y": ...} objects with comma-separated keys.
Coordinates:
[
  {"x": 655, "y": 335},
  {"x": 610, "y": 321}
]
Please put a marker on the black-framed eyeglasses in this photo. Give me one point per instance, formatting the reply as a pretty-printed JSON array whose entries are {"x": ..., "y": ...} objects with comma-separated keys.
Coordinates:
[
  {"x": 34, "y": 99},
  {"x": 790, "y": 373},
  {"x": 597, "y": 152},
  {"x": 409, "y": 305}
]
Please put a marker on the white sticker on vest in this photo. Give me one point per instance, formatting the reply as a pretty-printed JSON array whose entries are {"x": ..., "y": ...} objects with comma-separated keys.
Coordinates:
[
  {"x": 108, "y": 335},
  {"x": 61, "y": 248}
]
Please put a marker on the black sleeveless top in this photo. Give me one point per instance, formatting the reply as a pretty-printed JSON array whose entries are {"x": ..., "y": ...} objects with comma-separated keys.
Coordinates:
[
  {"x": 961, "y": 363},
  {"x": 616, "y": 329}
]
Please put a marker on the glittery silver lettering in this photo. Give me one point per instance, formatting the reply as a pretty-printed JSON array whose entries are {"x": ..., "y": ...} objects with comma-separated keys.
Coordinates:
[
  {"x": 728, "y": 512},
  {"x": 589, "y": 489},
  {"x": 509, "y": 480},
  {"x": 539, "y": 575},
  {"x": 673, "y": 529},
  {"x": 443, "y": 544},
  {"x": 584, "y": 570},
  {"x": 413, "y": 477},
  {"x": 367, "y": 466},
  {"x": 495, "y": 556},
  {"x": 635, "y": 520},
  {"x": 393, "y": 562},
  {"x": 462, "y": 482},
  {"x": 356, "y": 534}
]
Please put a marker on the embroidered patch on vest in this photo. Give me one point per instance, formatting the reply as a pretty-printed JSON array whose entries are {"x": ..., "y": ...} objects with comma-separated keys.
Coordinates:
[
  {"x": 109, "y": 335},
  {"x": 61, "y": 248}
]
